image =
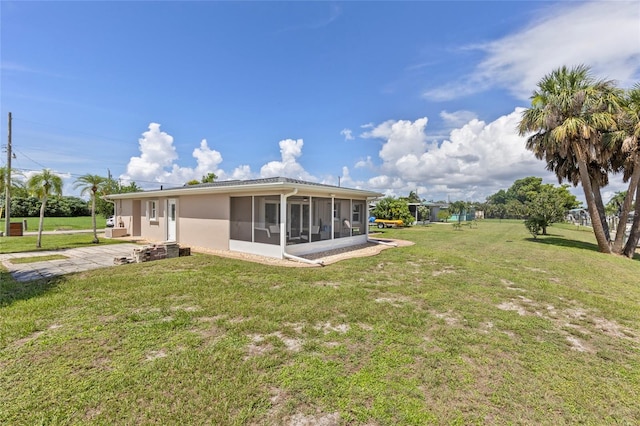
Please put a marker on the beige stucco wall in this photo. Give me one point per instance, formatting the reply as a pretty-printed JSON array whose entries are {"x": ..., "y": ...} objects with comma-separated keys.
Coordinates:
[
  {"x": 134, "y": 212},
  {"x": 154, "y": 230},
  {"x": 203, "y": 221}
]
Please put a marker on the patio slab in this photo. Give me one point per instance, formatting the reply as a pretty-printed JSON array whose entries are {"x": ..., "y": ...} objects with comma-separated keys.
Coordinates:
[{"x": 77, "y": 260}]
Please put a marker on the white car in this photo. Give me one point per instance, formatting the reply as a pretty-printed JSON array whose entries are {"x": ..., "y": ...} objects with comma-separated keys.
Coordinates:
[{"x": 111, "y": 221}]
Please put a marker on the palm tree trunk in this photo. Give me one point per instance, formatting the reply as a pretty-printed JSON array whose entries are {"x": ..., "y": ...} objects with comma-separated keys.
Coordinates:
[
  {"x": 634, "y": 235},
  {"x": 595, "y": 187},
  {"x": 596, "y": 223},
  {"x": 93, "y": 218},
  {"x": 626, "y": 207},
  {"x": 41, "y": 224}
]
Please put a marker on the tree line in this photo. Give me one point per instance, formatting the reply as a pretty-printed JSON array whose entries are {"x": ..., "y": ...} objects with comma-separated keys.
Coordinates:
[{"x": 41, "y": 195}]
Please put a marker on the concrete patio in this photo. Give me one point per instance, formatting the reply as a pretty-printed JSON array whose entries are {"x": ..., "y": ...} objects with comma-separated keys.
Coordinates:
[{"x": 77, "y": 260}]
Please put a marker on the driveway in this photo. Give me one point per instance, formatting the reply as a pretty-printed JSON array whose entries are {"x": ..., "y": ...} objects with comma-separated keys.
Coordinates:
[{"x": 76, "y": 260}]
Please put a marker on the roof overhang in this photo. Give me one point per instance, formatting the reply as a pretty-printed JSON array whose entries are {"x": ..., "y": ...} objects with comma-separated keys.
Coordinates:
[{"x": 273, "y": 187}]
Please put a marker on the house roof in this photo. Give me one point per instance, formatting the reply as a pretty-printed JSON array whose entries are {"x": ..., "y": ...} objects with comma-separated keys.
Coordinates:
[{"x": 275, "y": 184}]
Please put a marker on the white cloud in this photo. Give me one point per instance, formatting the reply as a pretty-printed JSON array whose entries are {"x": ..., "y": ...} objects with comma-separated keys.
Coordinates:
[
  {"x": 475, "y": 161},
  {"x": 347, "y": 134},
  {"x": 157, "y": 156},
  {"x": 290, "y": 150},
  {"x": 602, "y": 35},
  {"x": 366, "y": 163},
  {"x": 242, "y": 173},
  {"x": 157, "y": 162},
  {"x": 208, "y": 159},
  {"x": 403, "y": 138}
]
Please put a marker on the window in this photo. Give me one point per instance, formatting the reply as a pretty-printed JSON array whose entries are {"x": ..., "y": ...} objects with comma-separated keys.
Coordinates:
[
  {"x": 357, "y": 212},
  {"x": 152, "y": 210}
]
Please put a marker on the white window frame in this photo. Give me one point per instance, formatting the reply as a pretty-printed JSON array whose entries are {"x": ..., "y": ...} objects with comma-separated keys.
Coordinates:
[
  {"x": 356, "y": 212},
  {"x": 152, "y": 210}
]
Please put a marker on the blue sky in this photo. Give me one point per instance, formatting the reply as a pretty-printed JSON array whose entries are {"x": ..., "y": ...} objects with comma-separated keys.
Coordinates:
[{"x": 386, "y": 96}]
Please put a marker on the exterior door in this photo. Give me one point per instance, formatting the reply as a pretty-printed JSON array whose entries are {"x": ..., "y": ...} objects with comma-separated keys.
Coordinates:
[{"x": 171, "y": 219}]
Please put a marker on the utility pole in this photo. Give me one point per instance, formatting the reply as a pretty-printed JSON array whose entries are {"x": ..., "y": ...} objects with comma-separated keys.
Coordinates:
[{"x": 7, "y": 188}]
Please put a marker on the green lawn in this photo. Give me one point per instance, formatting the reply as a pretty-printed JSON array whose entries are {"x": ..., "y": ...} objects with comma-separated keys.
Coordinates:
[
  {"x": 58, "y": 223},
  {"x": 51, "y": 242},
  {"x": 473, "y": 326}
]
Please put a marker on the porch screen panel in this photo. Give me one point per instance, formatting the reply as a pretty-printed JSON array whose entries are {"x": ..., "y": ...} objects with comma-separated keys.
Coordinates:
[
  {"x": 358, "y": 218},
  {"x": 342, "y": 218},
  {"x": 321, "y": 214},
  {"x": 240, "y": 218},
  {"x": 266, "y": 227}
]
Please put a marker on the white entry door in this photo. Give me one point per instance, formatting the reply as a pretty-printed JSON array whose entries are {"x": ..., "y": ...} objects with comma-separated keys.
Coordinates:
[{"x": 171, "y": 219}]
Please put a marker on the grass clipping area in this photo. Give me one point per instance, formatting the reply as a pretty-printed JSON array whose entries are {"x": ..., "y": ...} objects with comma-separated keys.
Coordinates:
[{"x": 474, "y": 326}]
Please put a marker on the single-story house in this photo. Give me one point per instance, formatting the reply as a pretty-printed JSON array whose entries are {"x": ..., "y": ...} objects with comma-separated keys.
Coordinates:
[{"x": 275, "y": 217}]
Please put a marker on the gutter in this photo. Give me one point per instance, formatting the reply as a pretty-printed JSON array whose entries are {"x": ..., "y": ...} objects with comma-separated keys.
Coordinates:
[{"x": 283, "y": 244}]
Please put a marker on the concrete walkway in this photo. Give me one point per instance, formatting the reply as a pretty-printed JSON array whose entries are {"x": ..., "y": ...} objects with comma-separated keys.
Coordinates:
[{"x": 77, "y": 260}]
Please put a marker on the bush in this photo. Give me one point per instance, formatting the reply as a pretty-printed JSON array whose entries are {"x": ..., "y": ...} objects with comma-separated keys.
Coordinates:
[
  {"x": 534, "y": 226},
  {"x": 56, "y": 207}
]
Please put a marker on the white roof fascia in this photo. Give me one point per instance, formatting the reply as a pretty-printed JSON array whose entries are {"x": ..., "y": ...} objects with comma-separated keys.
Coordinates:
[{"x": 273, "y": 187}]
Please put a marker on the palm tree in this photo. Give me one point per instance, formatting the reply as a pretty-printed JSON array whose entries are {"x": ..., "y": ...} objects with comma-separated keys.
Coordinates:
[
  {"x": 17, "y": 184},
  {"x": 629, "y": 159},
  {"x": 43, "y": 185},
  {"x": 569, "y": 112},
  {"x": 91, "y": 184}
]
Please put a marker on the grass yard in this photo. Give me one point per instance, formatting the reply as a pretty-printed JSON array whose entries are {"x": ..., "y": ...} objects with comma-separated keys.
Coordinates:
[
  {"x": 473, "y": 326},
  {"x": 51, "y": 242},
  {"x": 58, "y": 223}
]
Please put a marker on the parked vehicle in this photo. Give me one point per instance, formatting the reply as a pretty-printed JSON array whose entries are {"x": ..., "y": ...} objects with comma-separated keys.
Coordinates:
[{"x": 385, "y": 223}]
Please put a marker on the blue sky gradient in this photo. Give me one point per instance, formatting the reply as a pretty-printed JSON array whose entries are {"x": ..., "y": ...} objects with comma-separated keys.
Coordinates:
[{"x": 386, "y": 96}]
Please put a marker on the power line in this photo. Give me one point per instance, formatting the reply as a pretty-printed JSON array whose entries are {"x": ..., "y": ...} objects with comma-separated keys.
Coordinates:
[{"x": 31, "y": 159}]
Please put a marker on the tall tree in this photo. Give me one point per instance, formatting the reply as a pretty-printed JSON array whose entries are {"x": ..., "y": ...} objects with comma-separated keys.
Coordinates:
[
  {"x": 91, "y": 184},
  {"x": 569, "y": 112},
  {"x": 629, "y": 135},
  {"x": 113, "y": 186},
  {"x": 43, "y": 185}
]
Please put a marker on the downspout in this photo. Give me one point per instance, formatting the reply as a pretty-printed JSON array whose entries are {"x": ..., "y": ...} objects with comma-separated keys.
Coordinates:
[
  {"x": 384, "y": 243},
  {"x": 283, "y": 234}
]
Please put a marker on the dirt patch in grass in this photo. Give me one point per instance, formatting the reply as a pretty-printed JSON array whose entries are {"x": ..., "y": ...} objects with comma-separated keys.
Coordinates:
[
  {"x": 153, "y": 355},
  {"x": 33, "y": 336},
  {"x": 448, "y": 317},
  {"x": 327, "y": 328},
  {"x": 445, "y": 270},
  {"x": 570, "y": 321},
  {"x": 314, "y": 419}
]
